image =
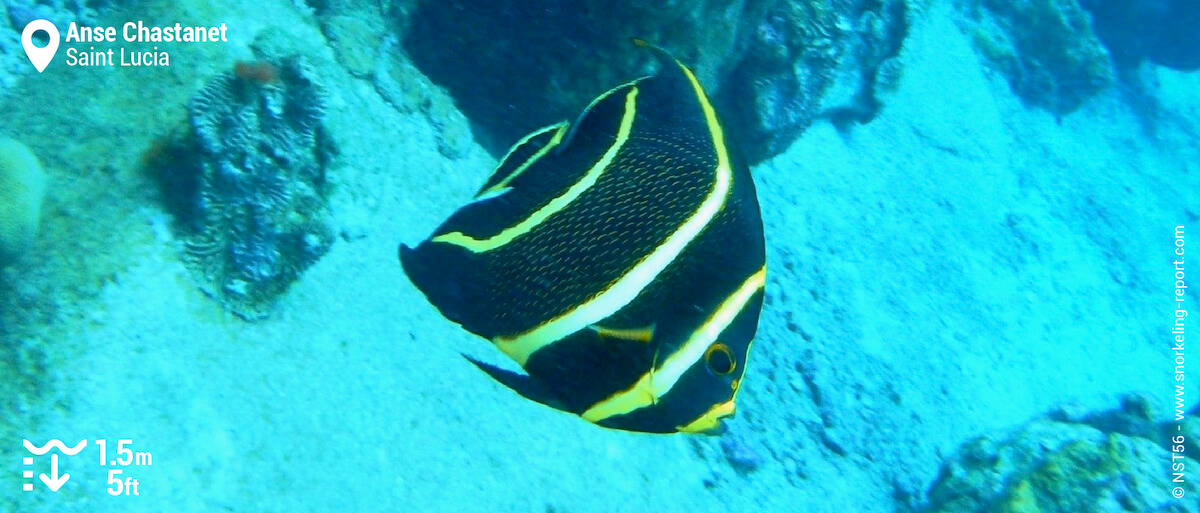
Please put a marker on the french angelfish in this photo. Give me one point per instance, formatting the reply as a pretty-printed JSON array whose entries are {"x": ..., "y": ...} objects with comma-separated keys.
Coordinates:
[{"x": 618, "y": 260}]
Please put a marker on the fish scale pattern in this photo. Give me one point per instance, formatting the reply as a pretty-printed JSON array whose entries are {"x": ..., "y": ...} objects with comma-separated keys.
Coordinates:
[
  {"x": 630, "y": 211},
  {"x": 256, "y": 214}
]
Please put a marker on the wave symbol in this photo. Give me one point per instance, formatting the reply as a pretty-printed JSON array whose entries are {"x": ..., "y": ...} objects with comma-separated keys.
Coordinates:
[{"x": 55, "y": 443}]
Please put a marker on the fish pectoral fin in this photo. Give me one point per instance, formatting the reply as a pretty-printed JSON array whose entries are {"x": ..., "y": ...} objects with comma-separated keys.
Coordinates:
[
  {"x": 644, "y": 334},
  {"x": 520, "y": 383}
]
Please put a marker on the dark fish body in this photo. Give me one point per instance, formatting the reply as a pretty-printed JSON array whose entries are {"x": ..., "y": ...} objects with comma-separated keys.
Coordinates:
[{"x": 619, "y": 260}]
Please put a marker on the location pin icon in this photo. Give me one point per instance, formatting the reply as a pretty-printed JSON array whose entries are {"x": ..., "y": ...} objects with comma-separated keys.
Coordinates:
[{"x": 40, "y": 57}]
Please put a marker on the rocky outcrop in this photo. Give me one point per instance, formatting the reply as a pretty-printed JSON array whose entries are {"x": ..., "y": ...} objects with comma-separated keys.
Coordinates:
[
  {"x": 1160, "y": 31},
  {"x": 1072, "y": 462},
  {"x": 1046, "y": 49},
  {"x": 772, "y": 66}
]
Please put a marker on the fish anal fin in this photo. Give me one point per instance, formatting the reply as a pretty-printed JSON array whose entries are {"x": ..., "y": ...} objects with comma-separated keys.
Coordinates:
[{"x": 520, "y": 383}]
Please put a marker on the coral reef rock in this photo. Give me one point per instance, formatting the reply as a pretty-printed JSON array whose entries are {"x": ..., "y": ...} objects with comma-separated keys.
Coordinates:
[
  {"x": 803, "y": 60},
  {"x": 18, "y": 13},
  {"x": 249, "y": 188},
  {"x": 1111, "y": 461},
  {"x": 774, "y": 66},
  {"x": 1046, "y": 49}
]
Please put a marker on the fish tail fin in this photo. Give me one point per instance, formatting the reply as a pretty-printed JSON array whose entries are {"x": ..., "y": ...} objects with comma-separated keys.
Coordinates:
[{"x": 441, "y": 273}]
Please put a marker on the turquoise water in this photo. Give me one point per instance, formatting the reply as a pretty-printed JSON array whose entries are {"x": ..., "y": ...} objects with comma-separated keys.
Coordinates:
[{"x": 977, "y": 218}]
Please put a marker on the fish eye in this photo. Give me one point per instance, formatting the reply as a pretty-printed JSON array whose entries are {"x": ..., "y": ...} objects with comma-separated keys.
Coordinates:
[{"x": 720, "y": 361}]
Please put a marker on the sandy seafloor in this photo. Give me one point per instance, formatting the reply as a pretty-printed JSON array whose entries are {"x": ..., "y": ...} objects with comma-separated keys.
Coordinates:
[{"x": 956, "y": 267}]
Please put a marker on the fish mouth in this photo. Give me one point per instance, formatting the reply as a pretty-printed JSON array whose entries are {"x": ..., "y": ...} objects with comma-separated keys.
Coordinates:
[
  {"x": 719, "y": 429},
  {"x": 719, "y": 426},
  {"x": 712, "y": 422}
]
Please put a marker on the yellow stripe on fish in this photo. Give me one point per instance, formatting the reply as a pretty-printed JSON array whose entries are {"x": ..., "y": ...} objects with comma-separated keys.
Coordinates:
[
  {"x": 619, "y": 260},
  {"x": 502, "y": 175},
  {"x": 557, "y": 204},
  {"x": 658, "y": 381}
]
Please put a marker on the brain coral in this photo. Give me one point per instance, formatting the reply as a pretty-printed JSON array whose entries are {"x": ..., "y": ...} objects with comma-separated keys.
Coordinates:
[
  {"x": 22, "y": 186},
  {"x": 249, "y": 192}
]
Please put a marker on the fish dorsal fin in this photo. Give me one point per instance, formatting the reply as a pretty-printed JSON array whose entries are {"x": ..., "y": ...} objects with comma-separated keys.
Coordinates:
[
  {"x": 664, "y": 58},
  {"x": 582, "y": 121},
  {"x": 668, "y": 65},
  {"x": 520, "y": 157}
]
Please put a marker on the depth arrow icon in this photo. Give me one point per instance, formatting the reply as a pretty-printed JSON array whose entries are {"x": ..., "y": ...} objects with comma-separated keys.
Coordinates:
[{"x": 54, "y": 481}]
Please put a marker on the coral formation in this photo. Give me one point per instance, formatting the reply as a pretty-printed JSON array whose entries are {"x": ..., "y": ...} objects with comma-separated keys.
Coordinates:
[
  {"x": 774, "y": 65},
  {"x": 1046, "y": 49},
  {"x": 249, "y": 187},
  {"x": 1067, "y": 462},
  {"x": 805, "y": 60},
  {"x": 22, "y": 188}
]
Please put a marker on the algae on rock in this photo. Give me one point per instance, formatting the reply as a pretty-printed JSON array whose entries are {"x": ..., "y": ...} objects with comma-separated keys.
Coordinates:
[
  {"x": 808, "y": 60},
  {"x": 1109, "y": 461},
  {"x": 1045, "y": 49}
]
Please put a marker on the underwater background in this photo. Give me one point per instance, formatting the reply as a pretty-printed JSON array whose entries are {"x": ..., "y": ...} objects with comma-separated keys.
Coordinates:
[{"x": 972, "y": 211}]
